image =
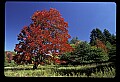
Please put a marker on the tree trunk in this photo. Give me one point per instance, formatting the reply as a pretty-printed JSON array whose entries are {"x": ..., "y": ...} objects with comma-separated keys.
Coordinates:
[
  {"x": 35, "y": 63},
  {"x": 35, "y": 66}
]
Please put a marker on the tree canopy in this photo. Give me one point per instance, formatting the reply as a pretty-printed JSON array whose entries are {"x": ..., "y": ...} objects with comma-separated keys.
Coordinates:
[{"x": 47, "y": 32}]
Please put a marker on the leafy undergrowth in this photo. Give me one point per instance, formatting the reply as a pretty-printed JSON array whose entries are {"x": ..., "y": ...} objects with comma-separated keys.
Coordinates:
[{"x": 96, "y": 71}]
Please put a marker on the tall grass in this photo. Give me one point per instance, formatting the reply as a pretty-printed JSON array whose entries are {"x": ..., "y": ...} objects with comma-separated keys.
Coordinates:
[
  {"x": 108, "y": 72},
  {"x": 59, "y": 71}
]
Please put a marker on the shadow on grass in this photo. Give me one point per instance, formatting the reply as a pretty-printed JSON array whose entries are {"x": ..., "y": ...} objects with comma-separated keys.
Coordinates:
[{"x": 87, "y": 71}]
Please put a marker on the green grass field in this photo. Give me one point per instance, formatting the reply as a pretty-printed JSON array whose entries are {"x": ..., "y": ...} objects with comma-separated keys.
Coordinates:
[{"x": 96, "y": 71}]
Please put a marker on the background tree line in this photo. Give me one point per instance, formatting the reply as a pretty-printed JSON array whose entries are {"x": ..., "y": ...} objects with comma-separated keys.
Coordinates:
[{"x": 101, "y": 48}]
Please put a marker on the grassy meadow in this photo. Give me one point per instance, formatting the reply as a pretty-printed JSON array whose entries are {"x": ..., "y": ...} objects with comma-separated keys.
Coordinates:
[{"x": 106, "y": 70}]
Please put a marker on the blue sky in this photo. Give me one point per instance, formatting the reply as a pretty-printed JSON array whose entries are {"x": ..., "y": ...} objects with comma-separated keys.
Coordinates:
[{"x": 82, "y": 17}]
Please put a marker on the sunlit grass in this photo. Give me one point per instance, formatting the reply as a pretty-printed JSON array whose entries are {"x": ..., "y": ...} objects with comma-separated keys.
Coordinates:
[{"x": 58, "y": 71}]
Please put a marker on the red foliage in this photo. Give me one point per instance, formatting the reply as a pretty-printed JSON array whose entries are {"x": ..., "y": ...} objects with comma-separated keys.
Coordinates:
[
  {"x": 26, "y": 56},
  {"x": 100, "y": 44},
  {"x": 47, "y": 32},
  {"x": 9, "y": 56}
]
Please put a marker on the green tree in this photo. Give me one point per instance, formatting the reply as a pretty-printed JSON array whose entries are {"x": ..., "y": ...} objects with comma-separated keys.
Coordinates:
[
  {"x": 108, "y": 46},
  {"x": 65, "y": 56},
  {"x": 85, "y": 53},
  {"x": 74, "y": 40},
  {"x": 96, "y": 34},
  {"x": 112, "y": 53},
  {"x": 113, "y": 39},
  {"x": 107, "y": 35},
  {"x": 100, "y": 35},
  {"x": 81, "y": 52},
  {"x": 73, "y": 45},
  {"x": 93, "y": 37},
  {"x": 98, "y": 54}
]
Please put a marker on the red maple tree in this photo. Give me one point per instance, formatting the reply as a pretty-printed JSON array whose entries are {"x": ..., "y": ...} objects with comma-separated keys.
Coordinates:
[{"x": 47, "y": 32}]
